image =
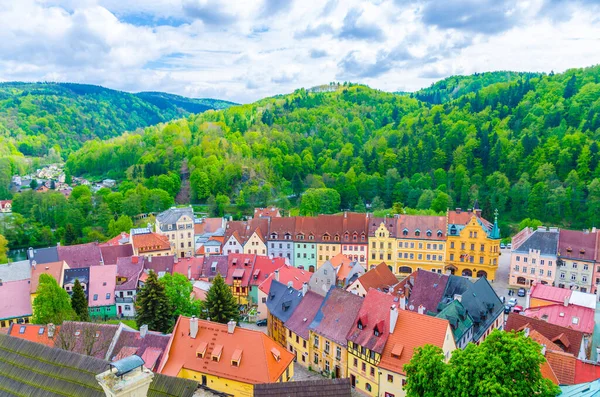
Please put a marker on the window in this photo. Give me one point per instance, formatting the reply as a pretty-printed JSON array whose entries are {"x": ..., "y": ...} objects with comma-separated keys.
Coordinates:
[
  {"x": 542, "y": 262},
  {"x": 533, "y": 261},
  {"x": 390, "y": 378},
  {"x": 549, "y": 263},
  {"x": 304, "y": 344},
  {"x": 472, "y": 247},
  {"x": 364, "y": 367},
  {"x": 541, "y": 272},
  {"x": 574, "y": 265},
  {"x": 368, "y": 387},
  {"x": 372, "y": 371},
  {"x": 451, "y": 257},
  {"x": 573, "y": 277},
  {"x": 327, "y": 365},
  {"x": 524, "y": 269},
  {"x": 525, "y": 259},
  {"x": 452, "y": 244},
  {"x": 518, "y": 258},
  {"x": 22, "y": 329},
  {"x": 316, "y": 341},
  {"x": 327, "y": 347},
  {"x": 316, "y": 358},
  {"x": 533, "y": 270},
  {"x": 338, "y": 353},
  {"x": 584, "y": 278},
  {"x": 585, "y": 267},
  {"x": 562, "y": 276},
  {"x": 355, "y": 363},
  {"x": 549, "y": 273},
  {"x": 108, "y": 295},
  {"x": 95, "y": 297}
]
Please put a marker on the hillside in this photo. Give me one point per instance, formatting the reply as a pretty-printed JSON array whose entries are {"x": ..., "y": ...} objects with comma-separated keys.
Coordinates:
[
  {"x": 527, "y": 148},
  {"x": 35, "y": 117},
  {"x": 454, "y": 87}
]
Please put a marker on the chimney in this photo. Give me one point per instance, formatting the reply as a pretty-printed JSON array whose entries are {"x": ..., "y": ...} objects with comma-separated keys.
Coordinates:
[
  {"x": 290, "y": 284},
  {"x": 421, "y": 309},
  {"x": 402, "y": 300},
  {"x": 189, "y": 272},
  {"x": 122, "y": 381},
  {"x": 393, "y": 318},
  {"x": 528, "y": 299},
  {"x": 543, "y": 350},
  {"x": 143, "y": 331},
  {"x": 230, "y": 327},
  {"x": 175, "y": 258},
  {"x": 193, "y": 327},
  {"x": 277, "y": 275},
  {"x": 51, "y": 330},
  {"x": 30, "y": 253},
  {"x": 33, "y": 263},
  {"x": 526, "y": 332},
  {"x": 58, "y": 244},
  {"x": 304, "y": 289},
  {"x": 566, "y": 301},
  {"x": 458, "y": 210}
]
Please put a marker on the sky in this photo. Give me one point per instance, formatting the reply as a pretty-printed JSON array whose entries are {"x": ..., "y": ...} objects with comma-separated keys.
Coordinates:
[{"x": 246, "y": 50}]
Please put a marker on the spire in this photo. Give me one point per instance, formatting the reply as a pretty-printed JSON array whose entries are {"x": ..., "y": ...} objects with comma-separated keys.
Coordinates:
[
  {"x": 495, "y": 233},
  {"x": 476, "y": 205}
]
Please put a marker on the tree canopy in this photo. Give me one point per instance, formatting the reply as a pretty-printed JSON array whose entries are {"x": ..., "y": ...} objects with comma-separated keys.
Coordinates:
[
  {"x": 178, "y": 290},
  {"x": 79, "y": 302},
  {"x": 152, "y": 306},
  {"x": 52, "y": 304},
  {"x": 220, "y": 305}
]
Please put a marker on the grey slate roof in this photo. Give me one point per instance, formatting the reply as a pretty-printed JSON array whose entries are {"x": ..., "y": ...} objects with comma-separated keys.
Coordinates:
[
  {"x": 172, "y": 215},
  {"x": 44, "y": 255},
  {"x": 15, "y": 271},
  {"x": 307, "y": 388},
  {"x": 545, "y": 241},
  {"x": 282, "y": 300},
  {"x": 480, "y": 300}
]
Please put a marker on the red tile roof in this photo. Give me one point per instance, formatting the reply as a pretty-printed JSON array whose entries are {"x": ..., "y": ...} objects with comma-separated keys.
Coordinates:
[
  {"x": 281, "y": 227},
  {"x": 54, "y": 269},
  {"x": 549, "y": 293},
  {"x": 389, "y": 222},
  {"x": 412, "y": 330},
  {"x": 194, "y": 265},
  {"x": 32, "y": 333},
  {"x": 575, "y": 244},
  {"x": 421, "y": 224},
  {"x": 240, "y": 266},
  {"x": 548, "y": 373},
  {"x": 150, "y": 242},
  {"x": 160, "y": 264},
  {"x": 575, "y": 317},
  {"x": 243, "y": 230},
  {"x": 116, "y": 240},
  {"x": 264, "y": 267},
  {"x": 374, "y": 313},
  {"x": 110, "y": 253},
  {"x": 304, "y": 314},
  {"x": 286, "y": 274},
  {"x": 563, "y": 366},
  {"x": 262, "y": 361},
  {"x": 80, "y": 255},
  {"x": 568, "y": 339},
  {"x": 208, "y": 225},
  {"x": 380, "y": 277},
  {"x": 267, "y": 212}
]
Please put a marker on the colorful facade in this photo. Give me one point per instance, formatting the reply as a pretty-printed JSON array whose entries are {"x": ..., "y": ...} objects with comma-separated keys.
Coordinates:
[
  {"x": 177, "y": 224},
  {"x": 535, "y": 258}
]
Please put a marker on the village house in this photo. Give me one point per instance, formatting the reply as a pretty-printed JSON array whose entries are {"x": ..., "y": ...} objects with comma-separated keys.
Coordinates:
[
  {"x": 379, "y": 277},
  {"x": 305, "y": 246},
  {"x": 101, "y": 297},
  {"x": 297, "y": 327},
  {"x": 280, "y": 240},
  {"x": 177, "y": 224},
  {"x": 54, "y": 269},
  {"x": 323, "y": 279},
  {"x": 285, "y": 275},
  {"x": 281, "y": 303},
  {"x": 5, "y": 206},
  {"x": 145, "y": 242},
  {"x": 129, "y": 271},
  {"x": 15, "y": 301},
  {"x": 246, "y": 237},
  {"x": 576, "y": 259},
  {"x": 535, "y": 257},
  {"x": 269, "y": 212}
]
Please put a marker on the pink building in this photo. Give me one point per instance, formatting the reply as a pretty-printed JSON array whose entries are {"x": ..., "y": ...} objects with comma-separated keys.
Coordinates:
[{"x": 534, "y": 259}]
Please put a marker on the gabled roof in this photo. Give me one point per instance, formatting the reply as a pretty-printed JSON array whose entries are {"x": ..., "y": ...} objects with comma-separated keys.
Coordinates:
[
  {"x": 389, "y": 223},
  {"x": 563, "y": 366},
  {"x": 282, "y": 300},
  {"x": 336, "y": 315},
  {"x": 44, "y": 255},
  {"x": 458, "y": 317},
  {"x": 54, "y": 269},
  {"x": 110, "y": 253},
  {"x": 423, "y": 288},
  {"x": 172, "y": 215},
  {"x": 207, "y": 225},
  {"x": 568, "y": 339},
  {"x": 374, "y": 313},
  {"x": 14, "y": 299},
  {"x": 543, "y": 240},
  {"x": 240, "y": 266},
  {"x": 330, "y": 225},
  {"x": 258, "y": 363},
  {"x": 463, "y": 217},
  {"x": 264, "y": 267},
  {"x": 103, "y": 280},
  {"x": 344, "y": 269},
  {"x": 160, "y": 264},
  {"x": 191, "y": 263},
  {"x": 150, "y": 242},
  {"x": 15, "y": 271},
  {"x": 272, "y": 212},
  {"x": 213, "y": 265},
  {"x": 121, "y": 239},
  {"x": 281, "y": 227},
  {"x": 287, "y": 274},
  {"x": 304, "y": 314},
  {"x": 412, "y": 330},
  {"x": 243, "y": 230},
  {"x": 307, "y": 388},
  {"x": 575, "y": 244},
  {"x": 153, "y": 345},
  {"x": 380, "y": 277},
  {"x": 90, "y": 339},
  {"x": 130, "y": 268},
  {"x": 575, "y": 317},
  {"x": 33, "y": 333},
  {"x": 80, "y": 255},
  {"x": 305, "y": 225},
  {"x": 37, "y": 370}
]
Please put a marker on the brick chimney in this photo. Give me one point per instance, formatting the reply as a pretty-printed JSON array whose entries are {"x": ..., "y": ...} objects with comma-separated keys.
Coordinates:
[
  {"x": 402, "y": 299},
  {"x": 193, "y": 327}
]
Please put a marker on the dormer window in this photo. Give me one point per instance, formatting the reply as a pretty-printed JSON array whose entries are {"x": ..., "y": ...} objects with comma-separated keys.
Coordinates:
[
  {"x": 346, "y": 236},
  {"x": 439, "y": 233},
  {"x": 359, "y": 325},
  {"x": 405, "y": 232},
  {"x": 216, "y": 353},
  {"x": 417, "y": 232},
  {"x": 569, "y": 249},
  {"x": 273, "y": 236},
  {"x": 376, "y": 332},
  {"x": 582, "y": 251},
  {"x": 429, "y": 233},
  {"x": 201, "y": 351},
  {"x": 362, "y": 237},
  {"x": 311, "y": 237},
  {"x": 337, "y": 238},
  {"x": 236, "y": 358}
]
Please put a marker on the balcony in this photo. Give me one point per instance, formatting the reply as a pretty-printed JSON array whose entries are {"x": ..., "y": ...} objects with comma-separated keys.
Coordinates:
[{"x": 127, "y": 299}]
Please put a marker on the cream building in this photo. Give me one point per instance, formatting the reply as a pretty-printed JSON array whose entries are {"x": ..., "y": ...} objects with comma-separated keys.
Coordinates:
[{"x": 178, "y": 225}]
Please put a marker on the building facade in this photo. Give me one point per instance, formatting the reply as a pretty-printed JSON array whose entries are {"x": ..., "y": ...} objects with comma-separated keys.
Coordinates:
[
  {"x": 576, "y": 259},
  {"x": 178, "y": 225},
  {"x": 535, "y": 258}
]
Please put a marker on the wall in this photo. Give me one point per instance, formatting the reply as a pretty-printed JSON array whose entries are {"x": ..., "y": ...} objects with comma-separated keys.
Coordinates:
[{"x": 305, "y": 254}]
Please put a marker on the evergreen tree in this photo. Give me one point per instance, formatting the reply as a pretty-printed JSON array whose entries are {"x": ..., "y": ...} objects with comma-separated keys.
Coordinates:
[
  {"x": 33, "y": 185},
  {"x": 70, "y": 234},
  {"x": 220, "y": 304},
  {"x": 152, "y": 306},
  {"x": 79, "y": 302},
  {"x": 52, "y": 303}
]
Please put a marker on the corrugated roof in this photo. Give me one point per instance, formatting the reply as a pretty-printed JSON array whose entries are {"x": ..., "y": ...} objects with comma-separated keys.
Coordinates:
[
  {"x": 588, "y": 389},
  {"x": 575, "y": 317}
]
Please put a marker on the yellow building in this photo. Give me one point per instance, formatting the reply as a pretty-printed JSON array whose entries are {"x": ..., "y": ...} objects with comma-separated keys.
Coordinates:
[
  {"x": 367, "y": 338},
  {"x": 411, "y": 331},
  {"x": 473, "y": 244},
  {"x": 328, "y": 331},
  {"x": 421, "y": 243},
  {"x": 282, "y": 301},
  {"x": 255, "y": 244},
  {"x": 225, "y": 358},
  {"x": 297, "y": 327},
  {"x": 382, "y": 242}
]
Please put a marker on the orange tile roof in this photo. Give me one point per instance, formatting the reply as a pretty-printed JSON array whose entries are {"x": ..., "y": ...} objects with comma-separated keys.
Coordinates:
[
  {"x": 258, "y": 363},
  {"x": 542, "y": 340},
  {"x": 379, "y": 277},
  {"x": 563, "y": 365},
  {"x": 150, "y": 242},
  {"x": 548, "y": 373},
  {"x": 53, "y": 269},
  {"x": 33, "y": 333},
  {"x": 412, "y": 330}
]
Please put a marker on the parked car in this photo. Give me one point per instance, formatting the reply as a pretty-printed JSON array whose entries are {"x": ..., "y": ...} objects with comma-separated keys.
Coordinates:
[
  {"x": 509, "y": 245},
  {"x": 502, "y": 246},
  {"x": 261, "y": 323},
  {"x": 521, "y": 292},
  {"x": 518, "y": 309},
  {"x": 507, "y": 309},
  {"x": 512, "y": 302}
]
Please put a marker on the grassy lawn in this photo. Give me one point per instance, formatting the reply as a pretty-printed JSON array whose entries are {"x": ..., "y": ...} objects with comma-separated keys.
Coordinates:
[{"x": 129, "y": 323}]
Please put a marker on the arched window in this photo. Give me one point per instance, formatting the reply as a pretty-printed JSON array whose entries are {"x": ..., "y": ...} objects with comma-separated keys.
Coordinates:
[
  {"x": 417, "y": 232},
  {"x": 428, "y": 233},
  {"x": 368, "y": 387},
  {"x": 405, "y": 232}
]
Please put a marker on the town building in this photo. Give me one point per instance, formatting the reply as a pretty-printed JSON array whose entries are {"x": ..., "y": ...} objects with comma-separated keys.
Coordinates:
[
  {"x": 297, "y": 326},
  {"x": 328, "y": 237},
  {"x": 79, "y": 255},
  {"x": 367, "y": 338},
  {"x": 382, "y": 242},
  {"x": 225, "y": 358},
  {"x": 72, "y": 274},
  {"x": 347, "y": 270},
  {"x": 544, "y": 295},
  {"x": 577, "y": 259},
  {"x": 263, "y": 268},
  {"x": 323, "y": 279},
  {"x": 355, "y": 236},
  {"x": 101, "y": 297},
  {"x": 281, "y": 303},
  {"x": 15, "y": 302},
  {"x": 473, "y": 244},
  {"x": 535, "y": 258},
  {"x": 285, "y": 275},
  {"x": 239, "y": 274},
  {"x": 177, "y": 224},
  {"x": 145, "y": 242},
  {"x": 328, "y": 346},
  {"x": 409, "y": 331},
  {"x": 54, "y": 269},
  {"x": 280, "y": 240},
  {"x": 269, "y": 212},
  {"x": 208, "y": 236},
  {"x": 305, "y": 246},
  {"x": 5, "y": 206},
  {"x": 565, "y": 315},
  {"x": 246, "y": 237},
  {"x": 380, "y": 278},
  {"x": 421, "y": 243},
  {"x": 148, "y": 345},
  {"x": 461, "y": 322},
  {"x": 129, "y": 271}
]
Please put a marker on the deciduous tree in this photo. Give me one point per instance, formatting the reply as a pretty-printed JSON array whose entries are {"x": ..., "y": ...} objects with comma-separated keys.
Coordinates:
[{"x": 52, "y": 303}]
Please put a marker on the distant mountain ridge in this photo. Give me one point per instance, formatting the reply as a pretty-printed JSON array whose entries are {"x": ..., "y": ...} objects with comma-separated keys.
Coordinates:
[{"x": 35, "y": 117}]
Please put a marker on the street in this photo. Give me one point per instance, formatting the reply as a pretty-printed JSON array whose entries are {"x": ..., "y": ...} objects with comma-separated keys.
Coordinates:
[{"x": 500, "y": 284}]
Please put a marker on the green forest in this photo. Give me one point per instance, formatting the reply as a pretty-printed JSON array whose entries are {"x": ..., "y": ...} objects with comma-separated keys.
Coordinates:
[{"x": 525, "y": 144}]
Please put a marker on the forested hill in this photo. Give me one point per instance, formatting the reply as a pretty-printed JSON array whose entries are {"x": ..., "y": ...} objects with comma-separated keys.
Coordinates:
[
  {"x": 453, "y": 87},
  {"x": 35, "y": 117},
  {"x": 527, "y": 147}
]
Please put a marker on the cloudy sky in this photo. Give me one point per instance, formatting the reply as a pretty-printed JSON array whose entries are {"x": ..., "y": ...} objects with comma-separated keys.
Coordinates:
[{"x": 244, "y": 50}]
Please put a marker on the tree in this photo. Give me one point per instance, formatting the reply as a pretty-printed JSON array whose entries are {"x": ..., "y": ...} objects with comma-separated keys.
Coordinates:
[
  {"x": 52, "y": 303},
  {"x": 152, "y": 306},
  {"x": 217, "y": 205},
  {"x": 70, "y": 235},
  {"x": 320, "y": 201},
  {"x": 79, "y": 302},
  {"x": 178, "y": 290},
  {"x": 504, "y": 364},
  {"x": 3, "y": 249},
  {"x": 33, "y": 185},
  {"x": 220, "y": 304},
  {"x": 123, "y": 224}
]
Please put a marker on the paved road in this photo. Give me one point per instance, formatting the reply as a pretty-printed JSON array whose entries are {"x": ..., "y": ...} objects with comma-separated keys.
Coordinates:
[{"x": 500, "y": 284}]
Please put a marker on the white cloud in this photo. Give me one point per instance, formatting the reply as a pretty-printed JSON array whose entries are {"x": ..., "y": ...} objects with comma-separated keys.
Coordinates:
[{"x": 243, "y": 51}]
